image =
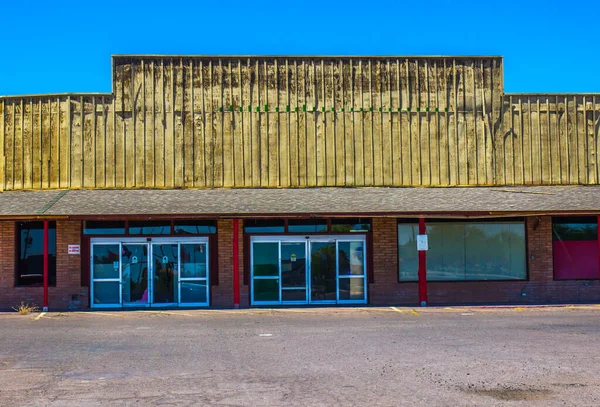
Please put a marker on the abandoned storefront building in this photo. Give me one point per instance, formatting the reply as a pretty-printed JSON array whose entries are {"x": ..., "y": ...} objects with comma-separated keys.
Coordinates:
[{"x": 264, "y": 181}]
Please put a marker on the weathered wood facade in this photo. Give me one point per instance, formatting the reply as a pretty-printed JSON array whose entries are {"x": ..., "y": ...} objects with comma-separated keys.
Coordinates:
[{"x": 196, "y": 122}]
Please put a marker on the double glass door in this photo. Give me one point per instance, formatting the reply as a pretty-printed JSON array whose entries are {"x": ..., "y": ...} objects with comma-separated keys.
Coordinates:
[
  {"x": 297, "y": 270},
  {"x": 141, "y": 274}
]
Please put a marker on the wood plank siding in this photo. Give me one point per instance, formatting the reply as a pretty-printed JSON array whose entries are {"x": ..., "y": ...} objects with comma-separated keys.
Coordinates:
[{"x": 203, "y": 122}]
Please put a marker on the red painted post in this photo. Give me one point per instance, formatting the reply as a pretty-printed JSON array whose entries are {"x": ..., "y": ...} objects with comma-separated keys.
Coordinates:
[
  {"x": 422, "y": 267},
  {"x": 45, "y": 308},
  {"x": 236, "y": 265}
]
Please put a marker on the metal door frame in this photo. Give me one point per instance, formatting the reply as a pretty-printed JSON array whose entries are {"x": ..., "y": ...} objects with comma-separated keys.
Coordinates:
[
  {"x": 106, "y": 241},
  {"x": 279, "y": 239}
]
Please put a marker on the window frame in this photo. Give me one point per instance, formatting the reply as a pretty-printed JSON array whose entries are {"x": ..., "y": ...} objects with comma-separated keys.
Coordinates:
[
  {"x": 415, "y": 221},
  {"x": 17, "y": 276}
]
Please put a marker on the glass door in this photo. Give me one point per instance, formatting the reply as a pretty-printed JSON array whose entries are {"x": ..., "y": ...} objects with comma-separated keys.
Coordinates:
[
  {"x": 352, "y": 281},
  {"x": 193, "y": 275},
  {"x": 323, "y": 278},
  {"x": 105, "y": 287},
  {"x": 293, "y": 272},
  {"x": 265, "y": 286},
  {"x": 134, "y": 274},
  {"x": 165, "y": 270},
  {"x": 315, "y": 270}
]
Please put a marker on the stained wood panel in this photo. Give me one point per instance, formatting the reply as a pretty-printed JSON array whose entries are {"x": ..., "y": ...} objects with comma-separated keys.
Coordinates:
[{"x": 196, "y": 122}]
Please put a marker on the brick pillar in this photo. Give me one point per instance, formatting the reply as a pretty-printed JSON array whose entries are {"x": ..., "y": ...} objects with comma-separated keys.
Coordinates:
[
  {"x": 244, "y": 289},
  {"x": 68, "y": 292},
  {"x": 386, "y": 290},
  {"x": 222, "y": 294},
  {"x": 8, "y": 294}
]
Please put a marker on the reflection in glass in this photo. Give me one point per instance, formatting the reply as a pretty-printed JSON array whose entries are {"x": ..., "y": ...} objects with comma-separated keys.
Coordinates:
[
  {"x": 149, "y": 227},
  {"x": 266, "y": 259},
  {"x": 191, "y": 227},
  {"x": 106, "y": 292},
  {"x": 352, "y": 288},
  {"x": 293, "y": 295},
  {"x": 350, "y": 225},
  {"x": 408, "y": 259},
  {"x": 264, "y": 226},
  {"x": 194, "y": 291},
  {"x": 351, "y": 258},
  {"x": 134, "y": 258},
  {"x": 93, "y": 227},
  {"x": 266, "y": 289},
  {"x": 307, "y": 225},
  {"x": 105, "y": 263},
  {"x": 30, "y": 261},
  {"x": 323, "y": 275},
  {"x": 293, "y": 264},
  {"x": 193, "y": 260},
  {"x": 460, "y": 251},
  {"x": 165, "y": 262}
]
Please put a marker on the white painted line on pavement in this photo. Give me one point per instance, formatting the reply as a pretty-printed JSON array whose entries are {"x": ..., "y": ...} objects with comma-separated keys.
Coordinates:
[{"x": 40, "y": 316}]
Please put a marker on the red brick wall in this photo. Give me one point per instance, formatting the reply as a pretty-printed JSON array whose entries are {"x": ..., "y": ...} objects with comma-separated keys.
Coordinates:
[
  {"x": 540, "y": 288},
  {"x": 222, "y": 294},
  {"x": 68, "y": 293}
]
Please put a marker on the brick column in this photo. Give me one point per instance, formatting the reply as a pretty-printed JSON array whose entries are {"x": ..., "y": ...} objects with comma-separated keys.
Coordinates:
[
  {"x": 222, "y": 294},
  {"x": 68, "y": 292},
  {"x": 386, "y": 290}
]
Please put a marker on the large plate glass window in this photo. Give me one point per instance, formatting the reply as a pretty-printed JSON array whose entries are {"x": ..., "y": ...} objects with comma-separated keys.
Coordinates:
[{"x": 465, "y": 251}]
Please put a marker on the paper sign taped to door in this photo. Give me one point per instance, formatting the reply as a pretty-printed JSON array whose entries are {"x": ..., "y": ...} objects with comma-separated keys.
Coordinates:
[
  {"x": 134, "y": 260},
  {"x": 116, "y": 265},
  {"x": 165, "y": 260},
  {"x": 422, "y": 243},
  {"x": 293, "y": 257}
]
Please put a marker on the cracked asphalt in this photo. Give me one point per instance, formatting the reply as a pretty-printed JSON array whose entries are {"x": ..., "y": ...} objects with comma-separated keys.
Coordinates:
[{"x": 318, "y": 357}]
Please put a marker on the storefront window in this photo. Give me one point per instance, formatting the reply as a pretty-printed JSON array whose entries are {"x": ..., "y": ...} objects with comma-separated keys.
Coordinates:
[
  {"x": 195, "y": 227},
  {"x": 350, "y": 225},
  {"x": 575, "y": 248},
  {"x": 307, "y": 225},
  {"x": 264, "y": 226},
  {"x": 150, "y": 227},
  {"x": 103, "y": 228},
  {"x": 30, "y": 259},
  {"x": 465, "y": 251}
]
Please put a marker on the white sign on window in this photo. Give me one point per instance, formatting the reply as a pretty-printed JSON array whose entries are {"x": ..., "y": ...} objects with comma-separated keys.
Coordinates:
[
  {"x": 422, "y": 243},
  {"x": 74, "y": 249}
]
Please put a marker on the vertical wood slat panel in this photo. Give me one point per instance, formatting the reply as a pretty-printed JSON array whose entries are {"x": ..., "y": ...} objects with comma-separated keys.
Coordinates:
[
  {"x": 86, "y": 162},
  {"x": 228, "y": 134},
  {"x": 432, "y": 122},
  {"x": 149, "y": 112},
  {"x": 3, "y": 134},
  {"x": 239, "y": 162},
  {"x": 179, "y": 122},
  {"x": 82, "y": 141}
]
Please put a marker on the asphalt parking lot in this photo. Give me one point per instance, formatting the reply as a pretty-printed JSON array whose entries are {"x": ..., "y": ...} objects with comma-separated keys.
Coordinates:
[{"x": 344, "y": 356}]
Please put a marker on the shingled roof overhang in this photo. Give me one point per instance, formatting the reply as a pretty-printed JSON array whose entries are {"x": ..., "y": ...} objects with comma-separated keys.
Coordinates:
[{"x": 228, "y": 203}]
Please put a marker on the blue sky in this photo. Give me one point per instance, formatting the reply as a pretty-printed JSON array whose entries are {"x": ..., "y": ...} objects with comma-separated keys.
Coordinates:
[{"x": 65, "y": 46}]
